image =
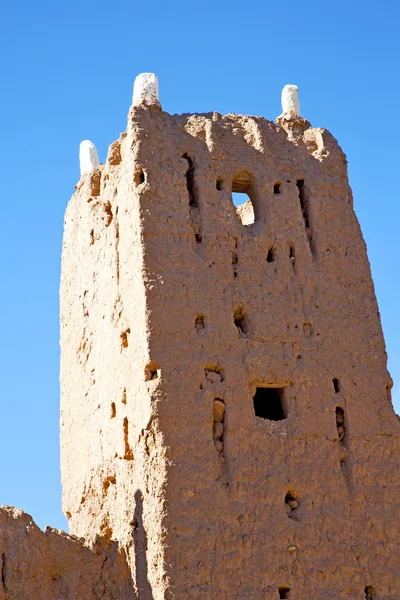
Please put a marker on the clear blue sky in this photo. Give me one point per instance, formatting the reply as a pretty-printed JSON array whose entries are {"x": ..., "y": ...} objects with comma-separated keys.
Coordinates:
[{"x": 67, "y": 70}]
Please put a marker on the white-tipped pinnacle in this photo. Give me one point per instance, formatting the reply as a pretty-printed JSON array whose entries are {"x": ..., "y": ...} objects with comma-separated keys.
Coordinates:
[
  {"x": 88, "y": 159},
  {"x": 145, "y": 89},
  {"x": 290, "y": 99}
]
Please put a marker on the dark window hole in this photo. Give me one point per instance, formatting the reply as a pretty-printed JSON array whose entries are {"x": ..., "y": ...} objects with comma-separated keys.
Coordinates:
[
  {"x": 269, "y": 403},
  {"x": 220, "y": 184},
  {"x": 292, "y": 255},
  {"x": 271, "y": 254},
  {"x": 304, "y": 204},
  {"x": 190, "y": 182},
  {"x": 370, "y": 593},
  {"x": 284, "y": 592},
  {"x": 303, "y": 201},
  {"x": 239, "y": 319},
  {"x": 235, "y": 259},
  {"x": 139, "y": 177},
  {"x": 336, "y": 385},
  {"x": 277, "y": 188},
  {"x": 198, "y": 238}
]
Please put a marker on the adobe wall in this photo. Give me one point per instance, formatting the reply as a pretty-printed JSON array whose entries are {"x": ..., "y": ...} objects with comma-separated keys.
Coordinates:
[
  {"x": 52, "y": 565},
  {"x": 106, "y": 427},
  {"x": 153, "y": 250}
]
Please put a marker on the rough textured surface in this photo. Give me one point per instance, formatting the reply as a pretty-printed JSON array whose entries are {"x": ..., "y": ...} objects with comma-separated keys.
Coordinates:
[
  {"x": 53, "y": 565},
  {"x": 170, "y": 303}
]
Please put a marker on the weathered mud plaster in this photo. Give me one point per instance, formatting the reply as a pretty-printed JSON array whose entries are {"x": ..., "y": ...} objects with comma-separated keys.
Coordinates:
[
  {"x": 88, "y": 158},
  {"x": 226, "y": 417},
  {"x": 173, "y": 304},
  {"x": 53, "y": 565}
]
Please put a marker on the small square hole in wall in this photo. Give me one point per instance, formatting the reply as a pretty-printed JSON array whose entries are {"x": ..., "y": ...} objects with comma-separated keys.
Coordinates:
[
  {"x": 269, "y": 403},
  {"x": 140, "y": 177},
  {"x": 284, "y": 592}
]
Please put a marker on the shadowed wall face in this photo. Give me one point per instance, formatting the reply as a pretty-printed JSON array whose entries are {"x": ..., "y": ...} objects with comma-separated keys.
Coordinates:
[{"x": 225, "y": 398}]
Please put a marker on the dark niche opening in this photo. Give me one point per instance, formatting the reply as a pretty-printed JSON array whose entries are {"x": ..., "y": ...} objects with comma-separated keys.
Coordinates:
[
  {"x": 370, "y": 593},
  {"x": 284, "y": 592},
  {"x": 341, "y": 428},
  {"x": 199, "y": 322},
  {"x": 271, "y": 254},
  {"x": 140, "y": 177},
  {"x": 190, "y": 181},
  {"x": 277, "y": 188},
  {"x": 269, "y": 403},
  {"x": 291, "y": 504},
  {"x": 240, "y": 320},
  {"x": 304, "y": 204},
  {"x": 336, "y": 385},
  {"x": 303, "y": 201},
  {"x": 292, "y": 255}
]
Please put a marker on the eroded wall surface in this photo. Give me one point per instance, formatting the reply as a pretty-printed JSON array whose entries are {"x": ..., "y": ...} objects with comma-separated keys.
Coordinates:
[
  {"x": 52, "y": 565},
  {"x": 171, "y": 300}
]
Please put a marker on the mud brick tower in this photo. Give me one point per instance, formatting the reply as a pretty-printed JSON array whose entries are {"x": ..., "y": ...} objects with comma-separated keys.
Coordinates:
[{"x": 226, "y": 411}]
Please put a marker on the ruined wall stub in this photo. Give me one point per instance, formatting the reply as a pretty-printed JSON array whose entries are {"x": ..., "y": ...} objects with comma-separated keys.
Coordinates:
[
  {"x": 52, "y": 565},
  {"x": 226, "y": 412}
]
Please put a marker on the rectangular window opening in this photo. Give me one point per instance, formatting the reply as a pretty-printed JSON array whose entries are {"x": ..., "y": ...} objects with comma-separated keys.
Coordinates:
[
  {"x": 269, "y": 403},
  {"x": 242, "y": 192}
]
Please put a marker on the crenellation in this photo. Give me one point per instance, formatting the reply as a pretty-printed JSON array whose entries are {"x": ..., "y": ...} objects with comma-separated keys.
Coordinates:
[
  {"x": 88, "y": 158},
  {"x": 145, "y": 90},
  {"x": 290, "y": 100}
]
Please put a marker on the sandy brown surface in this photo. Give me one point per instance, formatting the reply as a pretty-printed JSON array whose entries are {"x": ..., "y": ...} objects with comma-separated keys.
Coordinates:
[{"x": 175, "y": 309}]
